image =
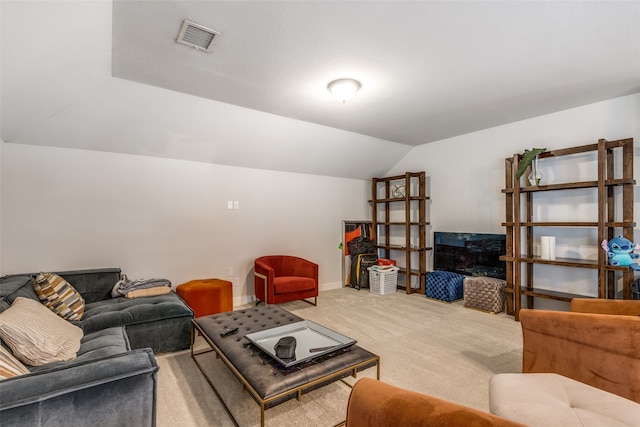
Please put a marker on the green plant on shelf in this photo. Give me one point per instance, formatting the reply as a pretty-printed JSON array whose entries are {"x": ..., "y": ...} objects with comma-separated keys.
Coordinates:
[{"x": 527, "y": 158}]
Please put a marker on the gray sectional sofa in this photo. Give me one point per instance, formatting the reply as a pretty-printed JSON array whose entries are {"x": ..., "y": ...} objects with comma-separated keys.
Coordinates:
[{"x": 113, "y": 379}]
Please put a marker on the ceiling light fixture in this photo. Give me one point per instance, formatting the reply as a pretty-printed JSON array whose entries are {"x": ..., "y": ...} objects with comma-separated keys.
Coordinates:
[{"x": 344, "y": 89}]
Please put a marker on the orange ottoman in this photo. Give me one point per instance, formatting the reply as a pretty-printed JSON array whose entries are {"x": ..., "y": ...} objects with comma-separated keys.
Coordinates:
[{"x": 207, "y": 296}]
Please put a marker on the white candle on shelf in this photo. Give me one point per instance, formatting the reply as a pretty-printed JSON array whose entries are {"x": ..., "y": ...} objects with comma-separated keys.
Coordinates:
[{"x": 548, "y": 247}]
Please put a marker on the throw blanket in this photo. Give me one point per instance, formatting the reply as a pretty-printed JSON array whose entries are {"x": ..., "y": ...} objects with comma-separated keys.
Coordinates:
[
  {"x": 124, "y": 285},
  {"x": 150, "y": 292}
]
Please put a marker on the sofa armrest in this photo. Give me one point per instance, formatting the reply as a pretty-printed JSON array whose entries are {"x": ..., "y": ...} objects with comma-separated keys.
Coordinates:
[
  {"x": 113, "y": 391},
  {"x": 373, "y": 403},
  {"x": 606, "y": 306},
  {"x": 597, "y": 349}
]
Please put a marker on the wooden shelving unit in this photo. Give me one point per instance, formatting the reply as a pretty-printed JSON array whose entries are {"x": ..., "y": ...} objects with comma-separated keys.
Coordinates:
[
  {"x": 614, "y": 188},
  {"x": 402, "y": 195}
]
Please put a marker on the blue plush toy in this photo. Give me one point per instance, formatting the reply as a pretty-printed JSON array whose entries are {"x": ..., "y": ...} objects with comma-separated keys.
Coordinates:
[{"x": 619, "y": 252}]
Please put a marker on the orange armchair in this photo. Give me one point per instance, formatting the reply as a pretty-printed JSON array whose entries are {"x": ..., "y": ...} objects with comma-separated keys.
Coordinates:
[
  {"x": 283, "y": 278},
  {"x": 377, "y": 404},
  {"x": 578, "y": 368},
  {"x": 597, "y": 343}
]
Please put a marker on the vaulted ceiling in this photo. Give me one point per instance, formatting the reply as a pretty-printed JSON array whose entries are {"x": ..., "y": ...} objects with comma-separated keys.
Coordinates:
[
  {"x": 110, "y": 76},
  {"x": 429, "y": 70}
]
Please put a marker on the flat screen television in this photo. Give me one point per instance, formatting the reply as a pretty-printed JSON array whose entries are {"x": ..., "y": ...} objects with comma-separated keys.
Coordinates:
[{"x": 471, "y": 254}]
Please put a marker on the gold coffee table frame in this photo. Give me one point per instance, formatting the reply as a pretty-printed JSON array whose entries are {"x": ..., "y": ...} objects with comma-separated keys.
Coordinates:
[{"x": 247, "y": 387}]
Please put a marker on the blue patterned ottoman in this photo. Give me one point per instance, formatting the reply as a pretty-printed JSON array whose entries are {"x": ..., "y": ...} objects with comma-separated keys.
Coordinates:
[{"x": 444, "y": 285}]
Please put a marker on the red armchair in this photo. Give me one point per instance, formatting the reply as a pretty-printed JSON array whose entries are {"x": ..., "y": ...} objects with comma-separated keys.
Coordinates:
[{"x": 283, "y": 278}]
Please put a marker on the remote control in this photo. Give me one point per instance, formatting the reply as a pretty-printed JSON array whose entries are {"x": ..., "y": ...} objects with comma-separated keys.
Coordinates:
[
  {"x": 228, "y": 331},
  {"x": 318, "y": 349}
]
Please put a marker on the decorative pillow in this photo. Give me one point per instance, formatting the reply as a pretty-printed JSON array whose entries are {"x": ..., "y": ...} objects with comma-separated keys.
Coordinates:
[
  {"x": 9, "y": 365},
  {"x": 36, "y": 335},
  {"x": 58, "y": 294}
]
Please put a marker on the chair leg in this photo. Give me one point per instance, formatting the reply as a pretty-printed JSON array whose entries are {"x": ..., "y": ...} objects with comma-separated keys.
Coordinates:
[
  {"x": 314, "y": 303},
  {"x": 266, "y": 295}
]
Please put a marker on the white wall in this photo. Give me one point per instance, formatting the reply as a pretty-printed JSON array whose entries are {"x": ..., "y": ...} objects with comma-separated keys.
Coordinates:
[
  {"x": 1, "y": 235},
  {"x": 67, "y": 209},
  {"x": 1, "y": 187},
  {"x": 466, "y": 175},
  {"x": 1, "y": 146}
]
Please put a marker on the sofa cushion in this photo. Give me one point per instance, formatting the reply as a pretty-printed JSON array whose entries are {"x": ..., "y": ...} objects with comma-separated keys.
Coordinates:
[
  {"x": 9, "y": 365},
  {"x": 103, "y": 343},
  {"x": 59, "y": 296},
  {"x": 94, "y": 284},
  {"x": 96, "y": 345},
  {"x": 124, "y": 312},
  {"x": 12, "y": 287},
  {"x": 36, "y": 335},
  {"x": 547, "y": 399}
]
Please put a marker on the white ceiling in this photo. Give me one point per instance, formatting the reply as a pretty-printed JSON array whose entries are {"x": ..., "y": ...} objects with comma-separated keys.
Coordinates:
[
  {"x": 429, "y": 70},
  {"x": 72, "y": 72}
]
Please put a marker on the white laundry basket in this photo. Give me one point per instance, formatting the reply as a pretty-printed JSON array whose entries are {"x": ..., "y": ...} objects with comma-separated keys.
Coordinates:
[{"x": 383, "y": 279}]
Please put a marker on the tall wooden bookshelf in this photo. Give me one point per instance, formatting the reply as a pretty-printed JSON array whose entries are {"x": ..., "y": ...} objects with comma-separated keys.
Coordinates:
[
  {"x": 399, "y": 219},
  {"x": 614, "y": 189}
]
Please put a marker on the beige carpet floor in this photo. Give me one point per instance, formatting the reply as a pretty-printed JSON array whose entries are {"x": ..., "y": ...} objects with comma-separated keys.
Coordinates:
[{"x": 437, "y": 348}]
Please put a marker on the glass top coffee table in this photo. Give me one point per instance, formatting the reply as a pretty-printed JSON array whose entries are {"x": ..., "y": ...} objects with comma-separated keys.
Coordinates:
[{"x": 322, "y": 356}]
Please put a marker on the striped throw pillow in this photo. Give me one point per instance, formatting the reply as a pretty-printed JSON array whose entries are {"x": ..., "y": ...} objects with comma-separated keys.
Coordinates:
[
  {"x": 58, "y": 294},
  {"x": 36, "y": 336},
  {"x": 9, "y": 365}
]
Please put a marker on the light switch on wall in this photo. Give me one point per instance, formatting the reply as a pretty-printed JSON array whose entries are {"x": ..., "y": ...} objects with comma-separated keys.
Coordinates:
[
  {"x": 236, "y": 204},
  {"x": 229, "y": 204}
]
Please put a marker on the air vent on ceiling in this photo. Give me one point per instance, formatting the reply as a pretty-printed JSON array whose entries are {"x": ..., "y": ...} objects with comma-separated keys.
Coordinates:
[{"x": 197, "y": 36}]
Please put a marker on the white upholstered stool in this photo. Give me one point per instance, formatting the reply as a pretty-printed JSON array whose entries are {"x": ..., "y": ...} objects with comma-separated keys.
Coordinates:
[{"x": 545, "y": 400}]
